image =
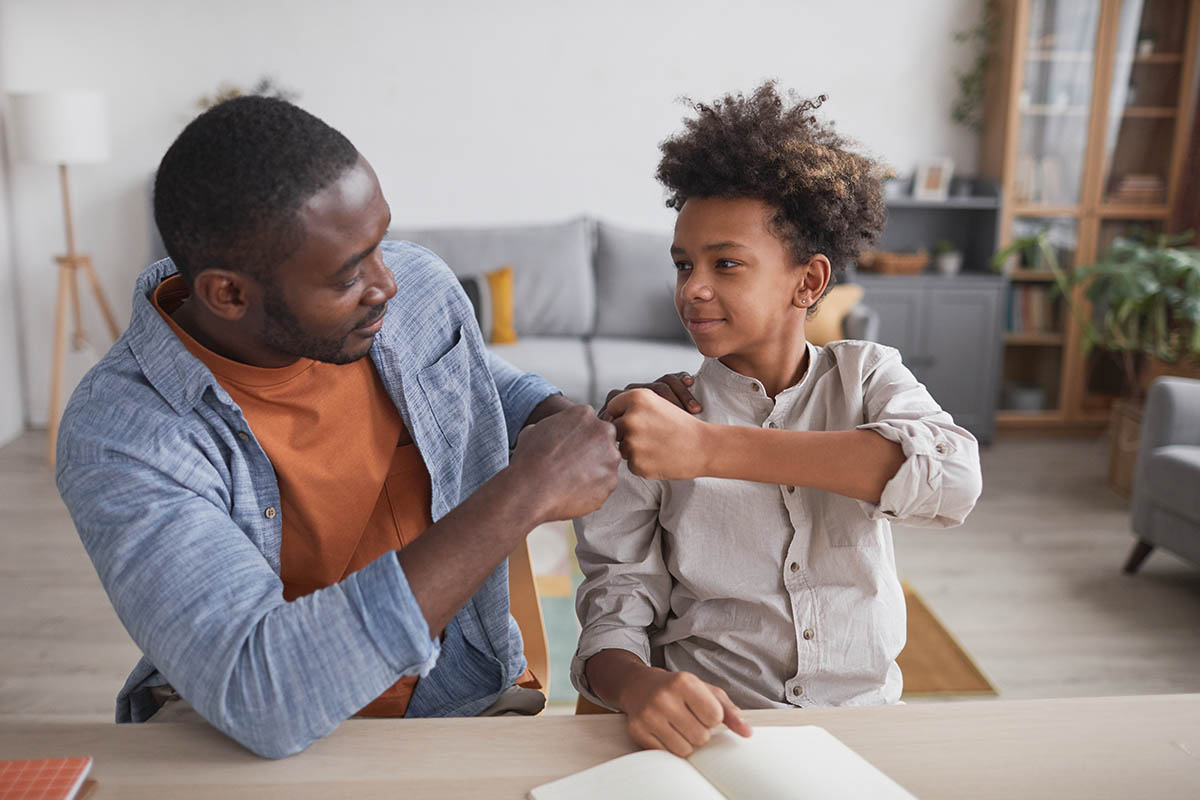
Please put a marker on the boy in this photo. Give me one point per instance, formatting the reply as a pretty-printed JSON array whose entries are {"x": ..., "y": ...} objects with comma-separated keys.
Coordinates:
[{"x": 745, "y": 559}]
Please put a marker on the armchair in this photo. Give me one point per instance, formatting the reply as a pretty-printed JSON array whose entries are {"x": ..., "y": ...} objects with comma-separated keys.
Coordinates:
[{"x": 1166, "y": 484}]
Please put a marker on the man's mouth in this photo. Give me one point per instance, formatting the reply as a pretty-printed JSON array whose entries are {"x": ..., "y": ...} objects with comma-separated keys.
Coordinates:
[{"x": 373, "y": 323}]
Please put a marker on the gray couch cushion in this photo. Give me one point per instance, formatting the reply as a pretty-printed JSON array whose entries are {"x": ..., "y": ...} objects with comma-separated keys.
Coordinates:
[
  {"x": 620, "y": 362},
  {"x": 1172, "y": 479},
  {"x": 562, "y": 360},
  {"x": 554, "y": 291},
  {"x": 635, "y": 285}
]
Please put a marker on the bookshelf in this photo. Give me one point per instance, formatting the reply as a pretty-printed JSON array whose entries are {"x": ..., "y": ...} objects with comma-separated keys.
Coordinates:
[{"x": 1086, "y": 126}]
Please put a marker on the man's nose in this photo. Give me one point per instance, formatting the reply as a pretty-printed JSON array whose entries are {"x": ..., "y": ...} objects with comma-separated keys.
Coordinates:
[{"x": 383, "y": 284}]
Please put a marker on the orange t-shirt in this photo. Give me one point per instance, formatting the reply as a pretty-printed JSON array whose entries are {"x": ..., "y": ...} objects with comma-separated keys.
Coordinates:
[{"x": 352, "y": 484}]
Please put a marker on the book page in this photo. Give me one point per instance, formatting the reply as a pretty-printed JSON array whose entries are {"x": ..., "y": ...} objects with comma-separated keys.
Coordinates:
[
  {"x": 648, "y": 775},
  {"x": 791, "y": 762}
]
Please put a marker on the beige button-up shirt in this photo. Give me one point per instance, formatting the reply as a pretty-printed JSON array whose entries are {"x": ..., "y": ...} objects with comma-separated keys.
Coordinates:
[{"x": 783, "y": 596}]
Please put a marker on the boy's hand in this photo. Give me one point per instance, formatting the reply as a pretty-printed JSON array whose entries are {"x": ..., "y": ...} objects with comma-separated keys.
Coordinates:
[
  {"x": 673, "y": 387},
  {"x": 659, "y": 440},
  {"x": 676, "y": 711}
]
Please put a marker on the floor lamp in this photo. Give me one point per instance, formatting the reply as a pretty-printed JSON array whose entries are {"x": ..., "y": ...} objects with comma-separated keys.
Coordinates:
[{"x": 66, "y": 127}]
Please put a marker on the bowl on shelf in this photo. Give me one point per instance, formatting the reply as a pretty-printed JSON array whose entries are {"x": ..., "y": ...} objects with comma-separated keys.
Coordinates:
[{"x": 889, "y": 263}]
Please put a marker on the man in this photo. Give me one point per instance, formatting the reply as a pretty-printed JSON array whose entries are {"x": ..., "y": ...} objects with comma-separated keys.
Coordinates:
[{"x": 295, "y": 402}]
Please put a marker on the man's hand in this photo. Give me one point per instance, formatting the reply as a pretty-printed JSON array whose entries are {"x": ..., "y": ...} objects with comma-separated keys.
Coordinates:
[
  {"x": 676, "y": 711},
  {"x": 673, "y": 387},
  {"x": 572, "y": 459},
  {"x": 659, "y": 440}
]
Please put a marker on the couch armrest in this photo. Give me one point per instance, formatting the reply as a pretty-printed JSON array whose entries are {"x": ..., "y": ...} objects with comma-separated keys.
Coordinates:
[
  {"x": 1171, "y": 416},
  {"x": 861, "y": 322}
]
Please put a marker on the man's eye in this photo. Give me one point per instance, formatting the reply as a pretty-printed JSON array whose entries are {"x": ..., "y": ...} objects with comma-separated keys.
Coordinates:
[{"x": 350, "y": 283}]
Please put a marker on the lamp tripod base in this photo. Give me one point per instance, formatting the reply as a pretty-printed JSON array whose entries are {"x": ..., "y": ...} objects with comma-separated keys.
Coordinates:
[{"x": 69, "y": 267}]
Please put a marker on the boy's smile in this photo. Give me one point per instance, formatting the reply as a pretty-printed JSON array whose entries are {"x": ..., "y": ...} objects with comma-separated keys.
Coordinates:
[{"x": 739, "y": 292}]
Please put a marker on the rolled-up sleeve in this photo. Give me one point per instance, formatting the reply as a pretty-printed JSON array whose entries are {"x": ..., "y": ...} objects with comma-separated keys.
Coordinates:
[
  {"x": 626, "y": 587},
  {"x": 940, "y": 480},
  {"x": 520, "y": 393}
]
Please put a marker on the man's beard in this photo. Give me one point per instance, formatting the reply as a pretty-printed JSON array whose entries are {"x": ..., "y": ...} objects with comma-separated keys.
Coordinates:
[{"x": 283, "y": 332}]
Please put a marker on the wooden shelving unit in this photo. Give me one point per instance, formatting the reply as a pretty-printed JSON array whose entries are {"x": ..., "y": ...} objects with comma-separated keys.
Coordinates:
[{"x": 1086, "y": 126}]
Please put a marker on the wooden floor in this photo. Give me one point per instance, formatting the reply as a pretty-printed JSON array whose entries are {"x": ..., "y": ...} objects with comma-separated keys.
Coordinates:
[{"x": 1031, "y": 586}]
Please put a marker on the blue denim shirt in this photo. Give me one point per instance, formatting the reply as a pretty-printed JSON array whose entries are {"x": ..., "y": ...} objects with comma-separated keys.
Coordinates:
[{"x": 177, "y": 505}]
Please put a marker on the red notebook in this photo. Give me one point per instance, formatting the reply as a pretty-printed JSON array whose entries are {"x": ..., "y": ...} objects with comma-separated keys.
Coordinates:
[{"x": 43, "y": 779}]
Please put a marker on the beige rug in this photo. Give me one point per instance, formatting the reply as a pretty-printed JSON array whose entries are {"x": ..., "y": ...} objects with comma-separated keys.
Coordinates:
[{"x": 933, "y": 662}]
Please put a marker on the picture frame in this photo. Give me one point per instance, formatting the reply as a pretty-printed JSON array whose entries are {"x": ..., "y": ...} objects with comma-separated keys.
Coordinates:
[{"x": 933, "y": 179}]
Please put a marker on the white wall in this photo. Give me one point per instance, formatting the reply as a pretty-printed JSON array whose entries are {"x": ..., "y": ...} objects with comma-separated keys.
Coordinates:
[
  {"x": 470, "y": 111},
  {"x": 12, "y": 400}
]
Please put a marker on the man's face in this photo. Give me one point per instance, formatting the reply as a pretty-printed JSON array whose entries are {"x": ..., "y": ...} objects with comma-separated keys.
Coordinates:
[{"x": 327, "y": 300}]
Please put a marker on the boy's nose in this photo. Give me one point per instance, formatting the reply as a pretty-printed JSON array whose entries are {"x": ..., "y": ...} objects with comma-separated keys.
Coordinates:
[{"x": 696, "y": 289}]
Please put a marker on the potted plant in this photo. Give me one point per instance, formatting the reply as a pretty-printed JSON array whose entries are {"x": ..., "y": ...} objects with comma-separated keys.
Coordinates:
[
  {"x": 1143, "y": 308},
  {"x": 947, "y": 258}
]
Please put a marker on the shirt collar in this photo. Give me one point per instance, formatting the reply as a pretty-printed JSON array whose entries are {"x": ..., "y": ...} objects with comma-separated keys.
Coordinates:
[
  {"x": 174, "y": 373},
  {"x": 712, "y": 370}
]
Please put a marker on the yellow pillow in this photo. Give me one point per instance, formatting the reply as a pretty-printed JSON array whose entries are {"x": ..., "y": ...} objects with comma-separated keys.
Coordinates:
[
  {"x": 825, "y": 324},
  {"x": 500, "y": 284}
]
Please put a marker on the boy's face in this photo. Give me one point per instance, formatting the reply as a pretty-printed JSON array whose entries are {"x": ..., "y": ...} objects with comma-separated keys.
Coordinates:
[{"x": 738, "y": 291}]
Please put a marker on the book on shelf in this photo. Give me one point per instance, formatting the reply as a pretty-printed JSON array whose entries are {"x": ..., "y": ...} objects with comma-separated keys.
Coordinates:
[
  {"x": 1030, "y": 310},
  {"x": 805, "y": 762}
]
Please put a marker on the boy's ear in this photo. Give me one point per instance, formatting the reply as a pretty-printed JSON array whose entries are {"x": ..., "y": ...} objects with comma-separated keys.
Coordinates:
[{"x": 815, "y": 276}]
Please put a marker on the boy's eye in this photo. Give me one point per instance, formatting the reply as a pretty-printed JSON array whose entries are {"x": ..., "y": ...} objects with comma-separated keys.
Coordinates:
[
  {"x": 682, "y": 265},
  {"x": 725, "y": 263}
]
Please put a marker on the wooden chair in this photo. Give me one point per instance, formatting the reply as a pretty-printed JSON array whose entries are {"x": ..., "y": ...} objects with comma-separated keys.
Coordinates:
[{"x": 527, "y": 611}]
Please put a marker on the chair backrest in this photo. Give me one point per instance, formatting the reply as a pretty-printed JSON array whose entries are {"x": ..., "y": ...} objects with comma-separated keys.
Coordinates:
[{"x": 526, "y": 609}]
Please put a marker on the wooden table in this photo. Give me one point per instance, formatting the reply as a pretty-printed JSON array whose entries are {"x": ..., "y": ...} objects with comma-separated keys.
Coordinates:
[{"x": 1127, "y": 747}]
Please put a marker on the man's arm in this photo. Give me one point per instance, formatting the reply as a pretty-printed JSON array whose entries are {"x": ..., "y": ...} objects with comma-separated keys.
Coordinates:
[{"x": 206, "y": 608}]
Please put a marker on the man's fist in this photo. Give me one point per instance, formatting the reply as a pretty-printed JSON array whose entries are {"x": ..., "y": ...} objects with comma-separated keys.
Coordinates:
[{"x": 572, "y": 458}]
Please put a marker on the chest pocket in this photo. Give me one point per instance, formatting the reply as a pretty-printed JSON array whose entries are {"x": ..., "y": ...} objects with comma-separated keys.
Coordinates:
[{"x": 446, "y": 384}]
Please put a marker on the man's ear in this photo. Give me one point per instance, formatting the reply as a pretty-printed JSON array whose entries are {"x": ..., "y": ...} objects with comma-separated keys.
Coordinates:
[
  {"x": 226, "y": 294},
  {"x": 814, "y": 278}
]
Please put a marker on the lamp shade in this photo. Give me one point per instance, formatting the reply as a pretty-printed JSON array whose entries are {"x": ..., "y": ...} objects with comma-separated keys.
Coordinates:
[{"x": 67, "y": 127}]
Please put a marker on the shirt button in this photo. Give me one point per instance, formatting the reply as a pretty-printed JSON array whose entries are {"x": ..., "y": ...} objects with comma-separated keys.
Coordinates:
[
  {"x": 791, "y": 489},
  {"x": 270, "y": 512},
  {"x": 771, "y": 424},
  {"x": 797, "y": 691},
  {"x": 941, "y": 449},
  {"x": 245, "y": 437},
  {"x": 808, "y": 634},
  {"x": 794, "y": 567},
  {"x": 753, "y": 386}
]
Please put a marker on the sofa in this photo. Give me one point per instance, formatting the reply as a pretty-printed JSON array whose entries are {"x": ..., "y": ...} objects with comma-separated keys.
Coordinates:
[
  {"x": 1166, "y": 483},
  {"x": 593, "y": 302}
]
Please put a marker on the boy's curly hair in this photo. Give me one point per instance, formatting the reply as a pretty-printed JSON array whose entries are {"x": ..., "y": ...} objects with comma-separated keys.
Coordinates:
[{"x": 827, "y": 198}]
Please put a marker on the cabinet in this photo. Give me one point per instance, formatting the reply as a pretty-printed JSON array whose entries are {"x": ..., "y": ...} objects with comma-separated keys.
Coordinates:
[
  {"x": 948, "y": 331},
  {"x": 1086, "y": 127}
]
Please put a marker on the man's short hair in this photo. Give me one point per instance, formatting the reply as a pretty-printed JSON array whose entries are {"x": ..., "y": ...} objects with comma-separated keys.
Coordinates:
[{"x": 228, "y": 188}]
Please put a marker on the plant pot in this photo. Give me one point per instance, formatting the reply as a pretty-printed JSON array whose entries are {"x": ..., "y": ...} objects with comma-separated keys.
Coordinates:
[
  {"x": 1124, "y": 436},
  {"x": 948, "y": 263}
]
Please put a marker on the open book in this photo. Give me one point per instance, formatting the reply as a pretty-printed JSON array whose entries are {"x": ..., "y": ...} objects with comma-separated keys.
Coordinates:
[{"x": 803, "y": 762}]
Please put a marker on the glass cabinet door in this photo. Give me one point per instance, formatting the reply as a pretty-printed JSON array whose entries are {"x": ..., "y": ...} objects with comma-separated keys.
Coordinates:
[
  {"x": 1143, "y": 101},
  {"x": 1055, "y": 102}
]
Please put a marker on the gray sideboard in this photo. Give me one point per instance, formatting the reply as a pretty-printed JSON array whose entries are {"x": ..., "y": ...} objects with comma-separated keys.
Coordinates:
[{"x": 948, "y": 330}]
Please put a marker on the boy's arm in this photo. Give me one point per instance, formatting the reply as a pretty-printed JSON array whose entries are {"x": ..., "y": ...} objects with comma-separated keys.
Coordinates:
[
  {"x": 908, "y": 462},
  {"x": 625, "y": 592}
]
